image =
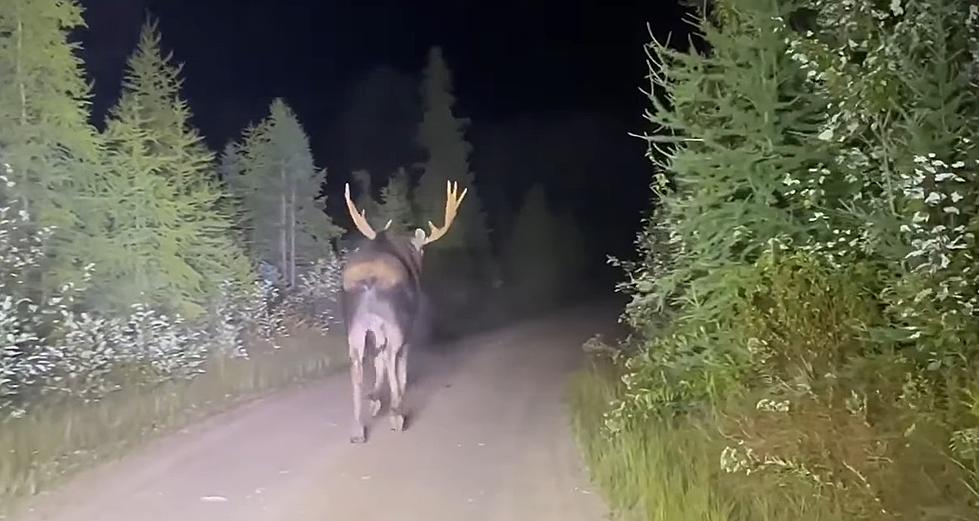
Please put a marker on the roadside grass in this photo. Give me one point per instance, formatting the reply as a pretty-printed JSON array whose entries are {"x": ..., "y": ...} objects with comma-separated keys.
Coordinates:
[
  {"x": 56, "y": 440},
  {"x": 650, "y": 471},
  {"x": 667, "y": 471}
]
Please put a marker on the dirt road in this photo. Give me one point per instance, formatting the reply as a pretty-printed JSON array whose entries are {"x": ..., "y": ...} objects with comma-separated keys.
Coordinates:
[{"x": 487, "y": 439}]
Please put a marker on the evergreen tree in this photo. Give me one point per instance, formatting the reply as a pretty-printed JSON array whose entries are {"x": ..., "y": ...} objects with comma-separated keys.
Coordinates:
[
  {"x": 741, "y": 129},
  {"x": 164, "y": 233},
  {"x": 48, "y": 144},
  {"x": 396, "y": 202},
  {"x": 534, "y": 267},
  {"x": 280, "y": 190},
  {"x": 229, "y": 164},
  {"x": 442, "y": 136},
  {"x": 364, "y": 198}
]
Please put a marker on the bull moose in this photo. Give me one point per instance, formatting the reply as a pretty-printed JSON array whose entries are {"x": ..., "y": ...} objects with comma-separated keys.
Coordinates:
[{"x": 381, "y": 301}]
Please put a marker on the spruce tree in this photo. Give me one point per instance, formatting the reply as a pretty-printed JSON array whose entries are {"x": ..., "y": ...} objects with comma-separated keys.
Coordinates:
[
  {"x": 534, "y": 267},
  {"x": 280, "y": 190},
  {"x": 442, "y": 136},
  {"x": 46, "y": 139},
  {"x": 735, "y": 149},
  {"x": 396, "y": 202},
  {"x": 171, "y": 238},
  {"x": 363, "y": 197}
]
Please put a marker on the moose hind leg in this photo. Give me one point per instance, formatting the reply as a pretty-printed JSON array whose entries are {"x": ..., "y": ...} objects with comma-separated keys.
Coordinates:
[
  {"x": 397, "y": 413},
  {"x": 359, "y": 431},
  {"x": 379, "y": 374},
  {"x": 402, "y": 361}
]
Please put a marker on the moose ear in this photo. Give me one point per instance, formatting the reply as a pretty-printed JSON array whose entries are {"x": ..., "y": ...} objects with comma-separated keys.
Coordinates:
[{"x": 419, "y": 239}]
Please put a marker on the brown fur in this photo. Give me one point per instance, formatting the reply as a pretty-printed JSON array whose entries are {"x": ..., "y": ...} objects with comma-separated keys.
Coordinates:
[{"x": 385, "y": 270}]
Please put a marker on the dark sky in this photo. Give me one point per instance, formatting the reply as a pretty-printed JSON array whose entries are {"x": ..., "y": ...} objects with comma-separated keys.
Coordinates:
[{"x": 551, "y": 87}]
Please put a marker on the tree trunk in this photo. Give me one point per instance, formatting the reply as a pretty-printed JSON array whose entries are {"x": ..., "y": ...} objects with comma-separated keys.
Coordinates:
[
  {"x": 23, "y": 101},
  {"x": 283, "y": 228},
  {"x": 292, "y": 236}
]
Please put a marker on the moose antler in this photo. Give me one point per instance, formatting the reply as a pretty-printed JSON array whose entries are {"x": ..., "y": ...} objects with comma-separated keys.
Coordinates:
[
  {"x": 452, "y": 202},
  {"x": 360, "y": 218}
]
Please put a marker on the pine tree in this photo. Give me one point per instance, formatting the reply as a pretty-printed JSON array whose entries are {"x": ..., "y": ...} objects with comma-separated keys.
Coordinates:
[
  {"x": 171, "y": 238},
  {"x": 442, "y": 136},
  {"x": 48, "y": 144},
  {"x": 280, "y": 191}
]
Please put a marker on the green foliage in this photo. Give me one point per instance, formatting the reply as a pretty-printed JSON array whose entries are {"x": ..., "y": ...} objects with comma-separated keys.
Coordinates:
[
  {"x": 542, "y": 258},
  {"x": 396, "y": 203},
  {"x": 280, "y": 192},
  {"x": 529, "y": 256},
  {"x": 743, "y": 121},
  {"x": 49, "y": 148},
  {"x": 639, "y": 471},
  {"x": 806, "y": 282},
  {"x": 907, "y": 138},
  {"x": 442, "y": 136},
  {"x": 364, "y": 198},
  {"x": 160, "y": 234}
]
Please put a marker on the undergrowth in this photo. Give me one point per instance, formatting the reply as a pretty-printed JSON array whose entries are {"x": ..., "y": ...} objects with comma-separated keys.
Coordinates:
[
  {"x": 638, "y": 470},
  {"x": 804, "y": 306}
]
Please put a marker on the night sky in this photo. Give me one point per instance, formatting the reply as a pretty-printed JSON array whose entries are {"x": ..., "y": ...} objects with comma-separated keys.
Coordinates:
[{"x": 551, "y": 87}]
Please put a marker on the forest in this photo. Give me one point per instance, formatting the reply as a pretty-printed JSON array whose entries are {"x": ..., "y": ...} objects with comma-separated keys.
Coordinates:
[
  {"x": 802, "y": 329},
  {"x": 803, "y": 309},
  {"x": 147, "y": 280}
]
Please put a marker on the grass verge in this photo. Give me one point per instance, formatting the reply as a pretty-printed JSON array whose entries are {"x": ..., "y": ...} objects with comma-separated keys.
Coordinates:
[
  {"x": 57, "y": 439},
  {"x": 652, "y": 471},
  {"x": 667, "y": 471}
]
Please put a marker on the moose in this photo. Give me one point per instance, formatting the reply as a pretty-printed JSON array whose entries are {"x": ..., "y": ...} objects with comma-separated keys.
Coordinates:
[{"x": 381, "y": 299}]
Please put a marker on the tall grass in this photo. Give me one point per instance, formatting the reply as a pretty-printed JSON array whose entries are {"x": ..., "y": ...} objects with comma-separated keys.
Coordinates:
[
  {"x": 650, "y": 471},
  {"x": 54, "y": 440},
  {"x": 659, "y": 470}
]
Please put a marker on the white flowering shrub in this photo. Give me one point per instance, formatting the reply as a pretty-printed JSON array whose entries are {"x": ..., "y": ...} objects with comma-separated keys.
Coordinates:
[
  {"x": 49, "y": 345},
  {"x": 27, "y": 360},
  {"x": 316, "y": 297},
  {"x": 240, "y": 312}
]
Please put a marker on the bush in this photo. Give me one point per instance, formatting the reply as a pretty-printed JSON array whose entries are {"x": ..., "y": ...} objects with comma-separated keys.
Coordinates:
[
  {"x": 805, "y": 404},
  {"x": 316, "y": 297},
  {"x": 52, "y": 347}
]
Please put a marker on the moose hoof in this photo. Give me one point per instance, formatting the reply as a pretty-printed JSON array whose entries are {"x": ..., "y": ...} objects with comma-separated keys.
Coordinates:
[
  {"x": 375, "y": 406},
  {"x": 359, "y": 435},
  {"x": 397, "y": 422}
]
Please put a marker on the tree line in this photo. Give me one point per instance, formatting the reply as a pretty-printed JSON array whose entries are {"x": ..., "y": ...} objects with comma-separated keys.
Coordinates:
[{"x": 133, "y": 232}]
